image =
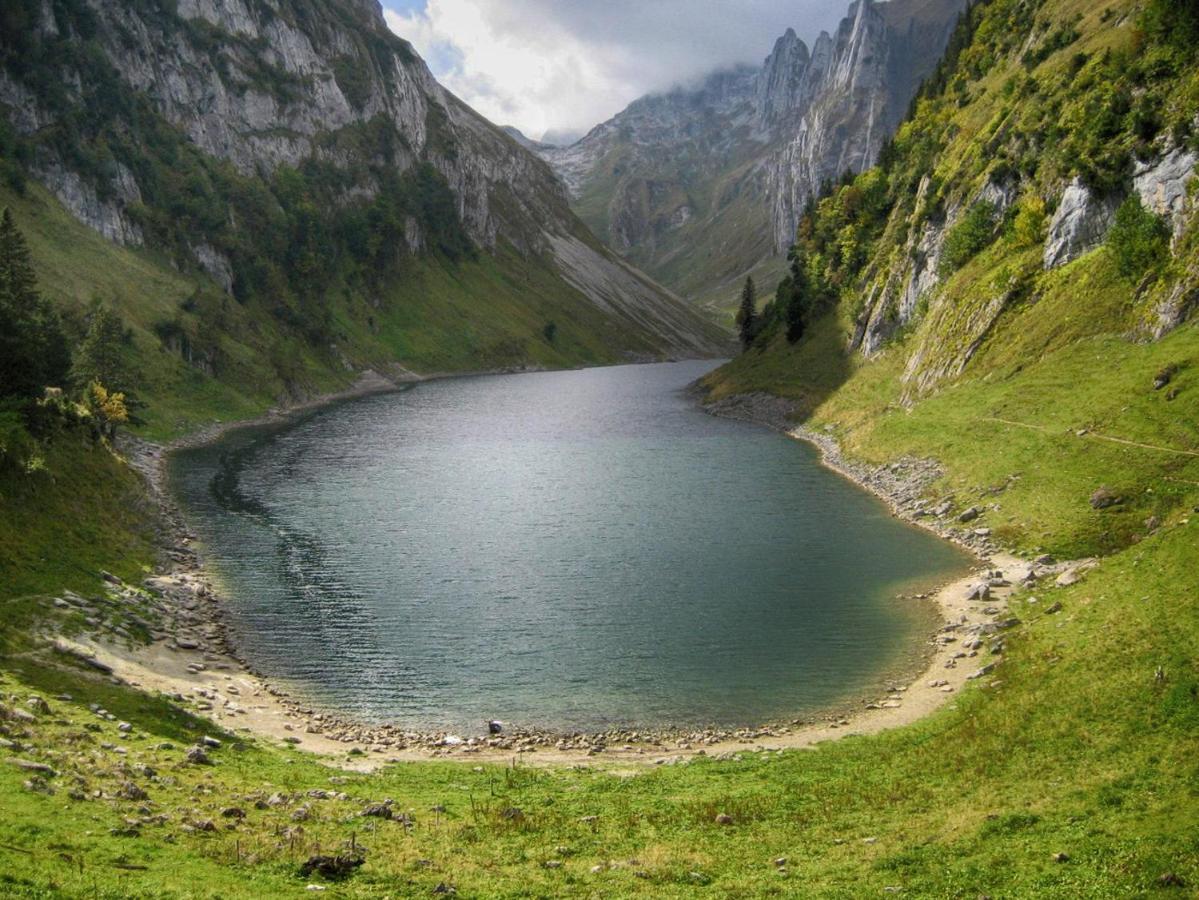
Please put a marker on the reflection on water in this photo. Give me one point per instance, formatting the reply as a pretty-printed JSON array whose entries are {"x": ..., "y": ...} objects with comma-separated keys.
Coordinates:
[{"x": 571, "y": 549}]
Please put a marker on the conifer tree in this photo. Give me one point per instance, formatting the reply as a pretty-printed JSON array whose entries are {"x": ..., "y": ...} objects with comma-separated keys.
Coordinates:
[
  {"x": 100, "y": 358},
  {"x": 747, "y": 315},
  {"x": 33, "y": 349},
  {"x": 798, "y": 300}
]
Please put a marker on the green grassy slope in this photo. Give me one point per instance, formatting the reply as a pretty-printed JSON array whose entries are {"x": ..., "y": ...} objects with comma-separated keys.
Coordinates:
[
  {"x": 436, "y": 316},
  {"x": 1070, "y": 773},
  {"x": 727, "y": 236},
  {"x": 1082, "y": 746}
]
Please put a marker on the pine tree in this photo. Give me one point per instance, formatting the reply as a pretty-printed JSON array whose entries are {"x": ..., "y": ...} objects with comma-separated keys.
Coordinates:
[
  {"x": 100, "y": 358},
  {"x": 798, "y": 301},
  {"x": 747, "y": 315},
  {"x": 33, "y": 349}
]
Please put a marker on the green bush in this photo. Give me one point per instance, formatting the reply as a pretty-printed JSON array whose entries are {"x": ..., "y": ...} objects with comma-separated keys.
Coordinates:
[
  {"x": 965, "y": 239},
  {"x": 1139, "y": 240}
]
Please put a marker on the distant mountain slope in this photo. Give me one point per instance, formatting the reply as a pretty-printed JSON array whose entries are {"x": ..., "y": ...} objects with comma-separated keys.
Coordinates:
[
  {"x": 304, "y": 158},
  {"x": 700, "y": 186}
]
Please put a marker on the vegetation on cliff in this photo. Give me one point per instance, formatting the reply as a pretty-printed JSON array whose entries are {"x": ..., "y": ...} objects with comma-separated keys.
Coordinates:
[{"x": 1070, "y": 772}]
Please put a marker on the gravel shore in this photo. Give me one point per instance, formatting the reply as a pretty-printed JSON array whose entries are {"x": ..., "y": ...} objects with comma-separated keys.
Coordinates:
[{"x": 193, "y": 658}]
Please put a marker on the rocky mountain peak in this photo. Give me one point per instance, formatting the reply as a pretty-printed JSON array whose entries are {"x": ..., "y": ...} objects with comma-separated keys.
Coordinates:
[
  {"x": 782, "y": 84},
  {"x": 732, "y": 162}
]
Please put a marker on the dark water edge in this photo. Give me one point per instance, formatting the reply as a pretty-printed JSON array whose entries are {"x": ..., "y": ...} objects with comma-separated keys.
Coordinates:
[{"x": 570, "y": 550}]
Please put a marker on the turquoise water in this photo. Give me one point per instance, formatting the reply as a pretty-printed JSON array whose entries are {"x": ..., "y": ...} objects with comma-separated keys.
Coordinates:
[{"x": 571, "y": 550}]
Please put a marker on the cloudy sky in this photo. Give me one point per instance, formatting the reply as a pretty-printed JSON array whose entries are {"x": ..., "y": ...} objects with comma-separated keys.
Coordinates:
[{"x": 571, "y": 64}]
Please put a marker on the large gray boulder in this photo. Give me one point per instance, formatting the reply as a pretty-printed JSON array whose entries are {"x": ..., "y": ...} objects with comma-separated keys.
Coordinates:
[{"x": 1080, "y": 224}]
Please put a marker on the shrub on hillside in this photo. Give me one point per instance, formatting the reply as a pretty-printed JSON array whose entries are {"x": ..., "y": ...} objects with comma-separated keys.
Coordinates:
[
  {"x": 969, "y": 236},
  {"x": 1139, "y": 239}
]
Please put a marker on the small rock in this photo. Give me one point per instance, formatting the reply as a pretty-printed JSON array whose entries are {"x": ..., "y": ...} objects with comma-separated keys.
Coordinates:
[
  {"x": 1164, "y": 376},
  {"x": 495, "y": 726},
  {"x": 1069, "y": 577},
  {"x": 233, "y": 812},
  {"x": 212, "y": 742},
  {"x": 980, "y": 592},
  {"x": 38, "y": 705},
  {"x": 969, "y": 515},
  {"x": 198, "y": 756},
  {"x": 1053, "y": 607},
  {"x": 38, "y": 785},
  {"x": 378, "y": 810},
  {"x": 131, "y": 791},
  {"x": 1061, "y": 857},
  {"x": 724, "y": 819},
  {"x": 335, "y": 867},
  {"x": 1105, "y": 497},
  {"x": 30, "y": 766}
]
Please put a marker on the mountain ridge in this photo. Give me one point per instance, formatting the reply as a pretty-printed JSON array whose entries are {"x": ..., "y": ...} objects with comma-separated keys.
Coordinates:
[
  {"x": 301, "y": 156},
  {"x": 703, "y": 184}
]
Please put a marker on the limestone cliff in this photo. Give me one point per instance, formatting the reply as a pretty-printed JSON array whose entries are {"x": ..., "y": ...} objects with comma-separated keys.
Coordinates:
[
  {"x": 702, "y": 185},
  {"x": 261, "y": 89}
]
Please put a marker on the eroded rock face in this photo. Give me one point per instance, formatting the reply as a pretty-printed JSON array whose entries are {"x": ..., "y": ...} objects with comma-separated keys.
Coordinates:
[
  {"x": 1080, "y": 224},
  {"x": 763, "y": 138},
  {"x": 107, "y": 216},
  {"x": 275, "y": 83},
  {"x": 1162, "y": 186}
]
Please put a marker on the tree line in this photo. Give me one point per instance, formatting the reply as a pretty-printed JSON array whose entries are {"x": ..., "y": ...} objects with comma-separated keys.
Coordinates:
[{"x": 41, "y": 367}]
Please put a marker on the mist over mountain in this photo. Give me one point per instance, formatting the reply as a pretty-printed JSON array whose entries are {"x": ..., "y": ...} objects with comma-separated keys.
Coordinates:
[{"x": 705, "y": 183}]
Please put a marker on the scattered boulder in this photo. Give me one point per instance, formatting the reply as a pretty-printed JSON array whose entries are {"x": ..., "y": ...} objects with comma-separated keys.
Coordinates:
[
  {"x": 969, "y": 515},
  {"x": 1061, "y": 857},
  {"x": 1105, "y": 497},
  {"x": 1069, "y": 577},
  {"x": 378, "y": 810},
  {"x": 495, "y": 726},
  {"x": 38, "y": 706},
  {"x": 334, "y": 868},
  {"x": 723, "y": 819},
  {"x": 1164, "y": 376},
  {"x": 30, "y": 766},
  {"x": 980, "y": 591},
  {"x": 38, "y": 785},
  {"x": 233, "y": 812},
  {"x": 131, "y": 791},
  {"x": 198, "y": 756}
]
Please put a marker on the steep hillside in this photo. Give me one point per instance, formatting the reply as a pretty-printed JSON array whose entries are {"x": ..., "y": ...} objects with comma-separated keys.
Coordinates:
[
  {"x": 1011, "y": 289},
  {"x": 1049, "y": 362},
  {"x": 700, "y": 186},
  {"x": 295, "y": 167}
]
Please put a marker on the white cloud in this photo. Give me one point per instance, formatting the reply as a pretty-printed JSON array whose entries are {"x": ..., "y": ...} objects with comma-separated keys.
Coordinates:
[{"x": 570, "y": 64}]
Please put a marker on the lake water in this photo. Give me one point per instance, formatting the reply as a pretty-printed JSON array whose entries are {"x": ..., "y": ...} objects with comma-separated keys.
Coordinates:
[{"x": 571, "y": 550}]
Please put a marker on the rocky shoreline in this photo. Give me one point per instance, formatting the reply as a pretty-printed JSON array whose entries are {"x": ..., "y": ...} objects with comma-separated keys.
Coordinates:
[
  {"x": 903, "y": 484},
  {"x": 208, "y": 668}
]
